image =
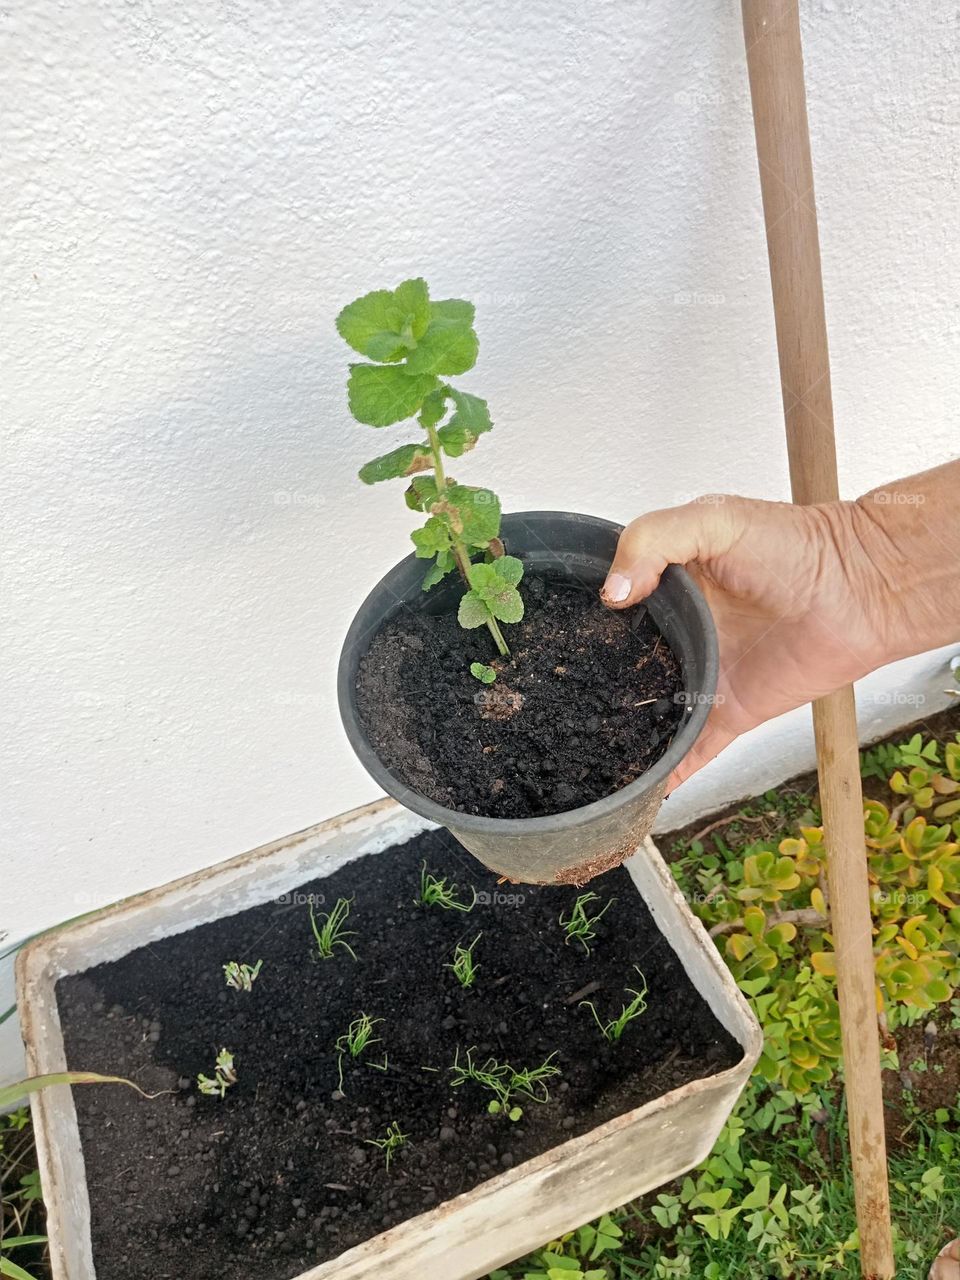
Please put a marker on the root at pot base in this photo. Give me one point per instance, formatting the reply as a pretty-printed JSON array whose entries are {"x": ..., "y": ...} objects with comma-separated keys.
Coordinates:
[
  {"x": 278, "y": 1176},
  {"x": 588, "y": 702}
]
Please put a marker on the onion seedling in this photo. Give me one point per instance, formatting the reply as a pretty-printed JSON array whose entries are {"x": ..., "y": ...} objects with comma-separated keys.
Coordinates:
[
  {"x": 504, "y": 1081},
  {"x": 391, "y": 1143},
  {"x": 434, "y": 893},
  {"x": 463, "y": 966},
  {"x": 241, "y": 976},
  {"x": 579, "y": 925},
  {"x": 224, "y": 1076},
  {"x": 615, "y": 1028},
  {"x": 332, "y": 933},
  {"x": 357, "y": 1037},
  {"x": 414, "y": 344}
]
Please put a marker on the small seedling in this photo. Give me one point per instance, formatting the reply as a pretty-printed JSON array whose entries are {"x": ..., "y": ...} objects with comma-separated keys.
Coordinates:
[
  {"x": 241, "y": 976},
  {"x": 483, "y": 673},
  {"x": 504, "y": 1081},
  {"x": 463, "y": 966},
  {"x": 357, "y": 1037},
  {"x": 391, "y": 1143},
  {"x": 332, "y": 933},
  {"x": 435, "y": 893},
  {"x": 224, "y": 1076},
  {"x": 615, "y": 1028},
  {"x": 579, "y": 926},
  {"x": 414, "y": 344}
]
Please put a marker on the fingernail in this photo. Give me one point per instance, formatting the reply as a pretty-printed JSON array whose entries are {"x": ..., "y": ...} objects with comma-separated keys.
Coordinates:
[{"x": 616, "y": 588}]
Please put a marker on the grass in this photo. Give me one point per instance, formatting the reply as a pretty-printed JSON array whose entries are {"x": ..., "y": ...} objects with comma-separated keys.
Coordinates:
[
  {"x": 435, "y": 892},
  {"x": 504, "y": 1082},
  {"x": 464, "y": 966},
  {"x": 331, "y": 933},
  {"x": 357, "y": 1038},
  {"x": 393, "y": 1141},
  {"x": 614, "y": 1029},
  {"x": 22, "y": 1244},
  {"x": 579, "y": 926}
]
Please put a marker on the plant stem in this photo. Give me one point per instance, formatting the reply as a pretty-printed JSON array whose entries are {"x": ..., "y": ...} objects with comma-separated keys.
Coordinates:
[{"x": 459, "y": 550}]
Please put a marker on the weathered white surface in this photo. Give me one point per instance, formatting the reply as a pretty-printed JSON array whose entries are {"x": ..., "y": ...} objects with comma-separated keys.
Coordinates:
[{"x": 193, "y": 190}]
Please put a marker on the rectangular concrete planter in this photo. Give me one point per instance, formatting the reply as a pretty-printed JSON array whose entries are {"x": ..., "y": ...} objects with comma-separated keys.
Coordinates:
[{"x": 465, "y": 1237}]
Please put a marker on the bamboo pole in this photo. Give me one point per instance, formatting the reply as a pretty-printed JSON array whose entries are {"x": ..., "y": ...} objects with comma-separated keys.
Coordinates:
[{"x": 775, "y": 65}]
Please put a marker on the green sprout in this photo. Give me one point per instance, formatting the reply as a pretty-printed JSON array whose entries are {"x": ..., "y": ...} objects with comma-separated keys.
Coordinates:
[
  {"x": 504, "y": 1082},
  {"x": 415, "y": 344},
  {"x": 224, "y": 1076},
  {"x": 435, "y": 893},
  {"x": 241, "y": 976},
  {"x": 480, "y": 671},
  {"x": 579, "y": 926},
  {"x": 391, "y": 1143},
  {"x": 357, "y": 1037},
  {"x": 332, "y": 933},
  {"x": 463, "y": 966},
  {"x": 615, "y": 1028}
]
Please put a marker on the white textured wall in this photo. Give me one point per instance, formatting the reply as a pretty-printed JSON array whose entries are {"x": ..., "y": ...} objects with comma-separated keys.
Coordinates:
[{"x": 191, "y": 193}]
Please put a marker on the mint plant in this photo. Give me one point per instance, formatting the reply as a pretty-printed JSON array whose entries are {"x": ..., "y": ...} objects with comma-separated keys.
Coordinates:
[{"x": 416, "y": 344}]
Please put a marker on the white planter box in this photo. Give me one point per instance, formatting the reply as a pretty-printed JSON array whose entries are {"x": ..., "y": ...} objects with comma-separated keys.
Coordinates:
[{"x": 465, "y": 1237}]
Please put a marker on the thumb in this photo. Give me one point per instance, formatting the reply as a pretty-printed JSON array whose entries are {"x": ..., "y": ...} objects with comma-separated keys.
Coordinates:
[{"x": 676, "y": 535}]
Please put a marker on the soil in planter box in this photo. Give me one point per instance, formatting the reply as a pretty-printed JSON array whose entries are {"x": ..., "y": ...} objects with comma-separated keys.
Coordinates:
[
  {"x": 588, "y": 701},
  {"x": 280, "y": 1175}
]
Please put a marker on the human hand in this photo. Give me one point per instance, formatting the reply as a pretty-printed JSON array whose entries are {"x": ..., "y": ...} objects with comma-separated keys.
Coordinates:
[{"x": 794, "y": 591}]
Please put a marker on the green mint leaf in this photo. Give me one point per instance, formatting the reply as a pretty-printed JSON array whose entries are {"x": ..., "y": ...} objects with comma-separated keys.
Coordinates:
[
  {"x": 434, "y": 407},
  {"x": 483, "y": 673},
  {"x": 382, "y": 394},
  {"x": 473, "y": 611},
  {"x": 444, "y": 564},
  {"x": 470, "y": 420},
  {"x": 507, "y": 605},
  {"x": 453, "y": 310},
  {"x": 421, "y": 493},
  {"x": 473, "y": 514},
  {"x": 432, "y": 539},
  {"x": 509, "y": 568},
  {"x": 448, "y": 346},
  {"x": 384, "y": 325},
  {"x": 405, "y": 461}
]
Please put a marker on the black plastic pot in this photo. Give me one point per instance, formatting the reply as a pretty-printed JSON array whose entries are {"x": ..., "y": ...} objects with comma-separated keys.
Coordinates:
[{"x": 567, "y": 847}]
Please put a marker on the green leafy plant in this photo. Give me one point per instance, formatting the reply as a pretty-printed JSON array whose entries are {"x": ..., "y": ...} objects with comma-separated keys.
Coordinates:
[
  {"x": 12, "y": 1269},
  {"x": 390, "y": 1144},
  {"x": 331, "y": 932},
  {"x": 354, "y": 1042},
  {"x": 504, "y": 1082},
  {"x": 480, "y": 671},
  {"x": 241, "y": 976},
  {"x": 614, "y": 1029},
  {"x": 434, "y": 892},
  {"x": 464, "y": 966},
  {"x": 415, "y": 344},
  {"x": 223, "y": 1078},
  {"x": 580, "y": 924}
]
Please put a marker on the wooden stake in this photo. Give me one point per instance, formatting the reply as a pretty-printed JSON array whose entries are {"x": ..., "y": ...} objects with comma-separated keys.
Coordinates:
[{"x": 775, "y": 64}]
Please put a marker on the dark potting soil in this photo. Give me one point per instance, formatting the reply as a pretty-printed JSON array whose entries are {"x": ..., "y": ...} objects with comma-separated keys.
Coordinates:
[
  {"x": 589, "y": 700},
  {"x": 279, "y": 1175}
]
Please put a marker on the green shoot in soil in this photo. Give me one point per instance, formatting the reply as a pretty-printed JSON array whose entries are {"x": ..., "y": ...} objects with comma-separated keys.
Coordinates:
[
  {"x": 480, "y": 671},
  {"x": 615, "y": 1028},
  {"x": 463, "y": 966},
  {"x": 415, "y": 344},
  {"x": 391, "y": 1143},
  {"x": 357, "y": 1037},
  {"x": 504, "y": 1081},
  {"x": 241, "y": 976},
  {"x": 579, "y": 925},
  {"x": 332, "y": 933},
  {"x": 224, "y": 1076},
  {"x": 435, "y": 893}
]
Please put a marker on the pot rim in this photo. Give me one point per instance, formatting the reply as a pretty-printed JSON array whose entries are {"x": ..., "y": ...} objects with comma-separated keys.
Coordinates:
[{"x": 570, "y": 819}]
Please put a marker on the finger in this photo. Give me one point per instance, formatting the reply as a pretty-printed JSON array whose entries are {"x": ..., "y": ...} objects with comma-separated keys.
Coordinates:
[
  {"x": 717, "y": 733},
  {"x": 675, "y": 535}
]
